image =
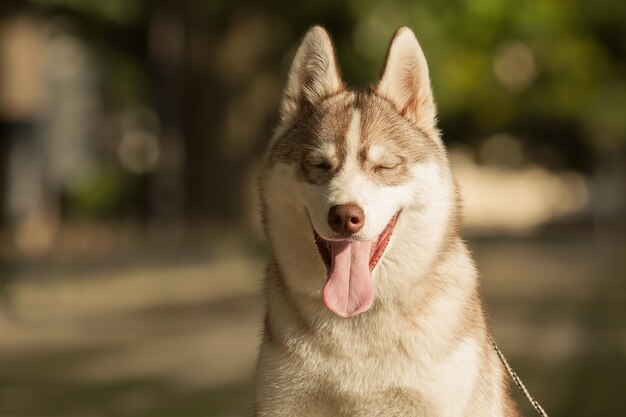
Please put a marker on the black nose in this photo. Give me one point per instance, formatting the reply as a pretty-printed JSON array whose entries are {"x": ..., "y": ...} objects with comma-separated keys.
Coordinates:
[{"x": 346, "y": 219}]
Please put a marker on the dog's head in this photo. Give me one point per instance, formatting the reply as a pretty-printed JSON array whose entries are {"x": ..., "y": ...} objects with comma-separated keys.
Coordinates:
[{"x": 347, "y": 170}]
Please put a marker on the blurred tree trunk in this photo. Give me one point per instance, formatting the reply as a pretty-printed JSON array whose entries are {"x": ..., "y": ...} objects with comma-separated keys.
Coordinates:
[
  {"x": 205, "y": 173},
  {"x": 166, "y": 36},
  {"x": 4, "y": 162},
  {"x": 213, "y": 182}
]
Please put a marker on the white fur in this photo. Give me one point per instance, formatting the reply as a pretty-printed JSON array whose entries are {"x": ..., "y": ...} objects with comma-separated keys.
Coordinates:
[{"x": 456, "y": 374}]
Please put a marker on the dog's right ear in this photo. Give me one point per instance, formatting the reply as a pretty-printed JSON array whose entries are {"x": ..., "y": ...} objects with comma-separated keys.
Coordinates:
[{"x": 313, "y": 75}]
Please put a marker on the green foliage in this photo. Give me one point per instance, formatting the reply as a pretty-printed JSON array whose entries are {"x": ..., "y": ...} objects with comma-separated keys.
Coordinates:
[
  {"x": 117, "y": 11},
  {"x": 100, "y": 193},
  {"x": 575, "y": 52}
]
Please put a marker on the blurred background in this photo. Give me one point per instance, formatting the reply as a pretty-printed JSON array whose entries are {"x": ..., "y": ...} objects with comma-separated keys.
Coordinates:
[{"x": 130, "y": 136}]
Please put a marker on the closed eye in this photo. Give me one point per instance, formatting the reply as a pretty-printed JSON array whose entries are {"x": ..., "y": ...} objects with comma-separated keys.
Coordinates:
[
  {"x": 386, "y": 167},
  {"x": 321, "y": 165},
  {"x": 319, "y": 162}
]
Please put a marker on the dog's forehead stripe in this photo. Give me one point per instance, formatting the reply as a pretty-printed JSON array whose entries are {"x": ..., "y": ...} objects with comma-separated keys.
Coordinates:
[{"x": 353, "y": 136}]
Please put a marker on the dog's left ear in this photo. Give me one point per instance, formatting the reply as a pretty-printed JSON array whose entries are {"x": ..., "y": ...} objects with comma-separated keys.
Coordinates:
[{"x": 405, "y": 80}]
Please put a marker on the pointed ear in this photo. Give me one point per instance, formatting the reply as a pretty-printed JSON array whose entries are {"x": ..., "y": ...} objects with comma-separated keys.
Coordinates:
[
  {"x": 405, "y": 79},
  {"x": 313, "y": 75}
]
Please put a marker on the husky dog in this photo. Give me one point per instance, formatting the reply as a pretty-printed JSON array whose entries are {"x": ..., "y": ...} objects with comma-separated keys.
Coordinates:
[{"x": 373, "y": 302}]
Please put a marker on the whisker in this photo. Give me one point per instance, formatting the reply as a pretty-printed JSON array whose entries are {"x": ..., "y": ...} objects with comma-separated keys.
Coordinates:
[{"x": 326, "y": 196}]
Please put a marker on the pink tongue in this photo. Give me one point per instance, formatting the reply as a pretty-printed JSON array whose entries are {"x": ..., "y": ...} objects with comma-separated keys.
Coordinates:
[{"x": 348, "y": 290}]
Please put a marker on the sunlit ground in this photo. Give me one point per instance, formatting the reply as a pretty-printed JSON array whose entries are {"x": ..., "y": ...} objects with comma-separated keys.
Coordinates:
[{"x": 143, "y": 329}]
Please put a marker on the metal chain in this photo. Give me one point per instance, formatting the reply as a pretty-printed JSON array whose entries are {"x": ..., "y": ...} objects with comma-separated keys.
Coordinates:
[{"x": 517, "y": 380}]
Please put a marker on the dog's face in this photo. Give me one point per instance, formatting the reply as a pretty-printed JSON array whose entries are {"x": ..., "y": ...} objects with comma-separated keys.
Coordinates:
[{"x": 351, "y": 163}]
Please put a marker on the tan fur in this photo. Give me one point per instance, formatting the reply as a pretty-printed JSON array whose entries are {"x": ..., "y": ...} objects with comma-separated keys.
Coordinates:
[{"x": 422, "y": 349}]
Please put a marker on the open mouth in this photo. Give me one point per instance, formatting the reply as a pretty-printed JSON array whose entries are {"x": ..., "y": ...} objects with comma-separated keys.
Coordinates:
[
  {"x": 376, "y": 252},
  {"x": 349, "y": 289}
]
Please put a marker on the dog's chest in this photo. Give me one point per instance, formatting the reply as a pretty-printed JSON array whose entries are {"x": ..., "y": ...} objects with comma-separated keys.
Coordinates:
[
  {"x": 363, "y": 362},
  {"x": 363, "y": 357}
]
